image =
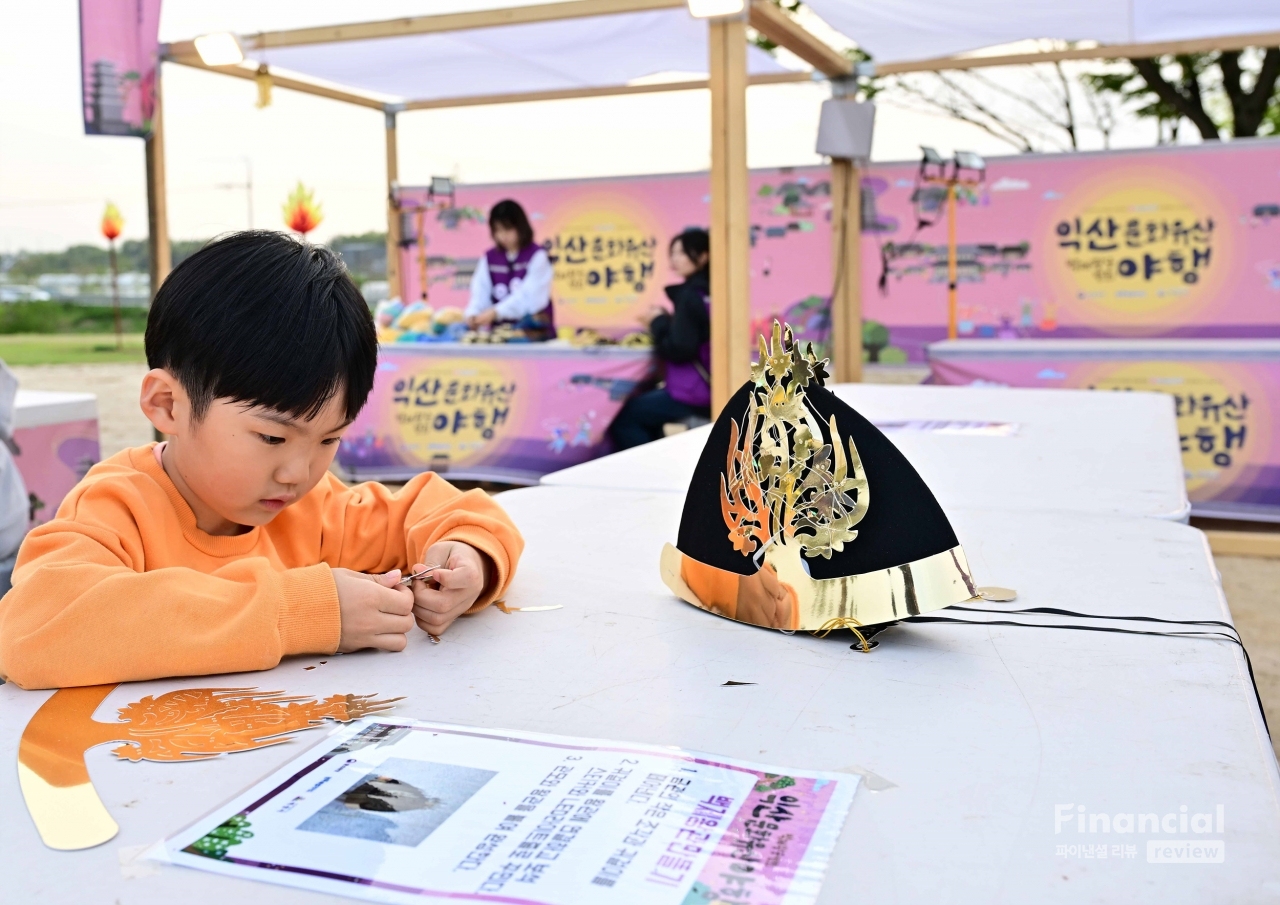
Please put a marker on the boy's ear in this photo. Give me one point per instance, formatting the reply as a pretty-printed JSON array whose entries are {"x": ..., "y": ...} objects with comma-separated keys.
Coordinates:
[{"x": 164, "y": 401}]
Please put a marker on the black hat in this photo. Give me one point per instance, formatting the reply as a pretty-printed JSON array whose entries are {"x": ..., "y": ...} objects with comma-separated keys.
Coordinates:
[{"x": 802, "y": 515}]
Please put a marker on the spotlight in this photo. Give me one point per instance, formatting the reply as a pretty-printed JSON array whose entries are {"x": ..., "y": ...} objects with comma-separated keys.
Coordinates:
[
  {"x": 967, "y": 160},
  {"x": 219, "y": 49}
]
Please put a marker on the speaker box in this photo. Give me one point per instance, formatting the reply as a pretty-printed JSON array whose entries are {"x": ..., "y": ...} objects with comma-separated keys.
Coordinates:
[{"x": 845, "y": 128}]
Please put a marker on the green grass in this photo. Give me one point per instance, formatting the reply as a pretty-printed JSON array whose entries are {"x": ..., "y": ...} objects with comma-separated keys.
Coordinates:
[
  {"x": 68, "y": 348},
  {"x": 64, "y": 317}
]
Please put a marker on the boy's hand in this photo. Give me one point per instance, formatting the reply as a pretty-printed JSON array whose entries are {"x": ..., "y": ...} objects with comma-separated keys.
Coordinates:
[
  {"x": 375, "y": 610},
  {"x": 451, "y": 590}
]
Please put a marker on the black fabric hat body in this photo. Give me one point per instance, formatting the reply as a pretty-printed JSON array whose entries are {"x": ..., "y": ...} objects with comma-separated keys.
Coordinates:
[{"x": 802, "y": 515}]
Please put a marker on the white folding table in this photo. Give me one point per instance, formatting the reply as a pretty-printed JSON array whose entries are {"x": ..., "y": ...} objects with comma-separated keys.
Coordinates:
[
  {"x": 1072, "y": 450},
  {"x": 971, "y": 738}
]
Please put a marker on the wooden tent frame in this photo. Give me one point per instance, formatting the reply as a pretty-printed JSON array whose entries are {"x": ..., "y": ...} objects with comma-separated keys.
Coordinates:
[{"x": 727, "y": 82}]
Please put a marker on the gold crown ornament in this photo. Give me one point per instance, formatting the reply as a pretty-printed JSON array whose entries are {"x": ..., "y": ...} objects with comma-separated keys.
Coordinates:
[{"x": 779, "y": 528}]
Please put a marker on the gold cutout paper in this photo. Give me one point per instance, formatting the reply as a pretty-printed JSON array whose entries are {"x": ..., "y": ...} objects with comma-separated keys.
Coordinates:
[
  {"x": 528, "y": 609},
  {"x": 783, "y": 487},
  {"x": 188, "y": 724}
]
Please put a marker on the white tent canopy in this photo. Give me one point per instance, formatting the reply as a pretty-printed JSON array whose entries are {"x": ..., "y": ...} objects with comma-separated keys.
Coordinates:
[
  {"x": 592, "y": 51},
  {"x": 580, "y": 48},
  {"x": 899, "y": 30},
  {"x": 595, "y": 52}
]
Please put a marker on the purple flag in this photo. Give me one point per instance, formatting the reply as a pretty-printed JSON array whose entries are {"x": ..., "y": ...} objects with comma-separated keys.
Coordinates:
[{"x": 119, "y": 54}]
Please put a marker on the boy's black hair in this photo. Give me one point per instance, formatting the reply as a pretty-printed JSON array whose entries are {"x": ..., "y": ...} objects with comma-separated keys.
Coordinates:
[
  {"x": 695, "y": 243},
  {"x": 510, "y": 214},
  {"x": 262, "y": 318}
]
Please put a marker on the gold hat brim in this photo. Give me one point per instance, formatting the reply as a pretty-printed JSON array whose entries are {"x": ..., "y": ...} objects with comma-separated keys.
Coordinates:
[{"x": 782, "y": 595}]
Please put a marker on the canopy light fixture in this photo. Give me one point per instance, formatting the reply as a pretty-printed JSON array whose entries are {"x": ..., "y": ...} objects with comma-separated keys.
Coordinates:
[
  {"x": 715, "y": 9},
  {"x": 219, "y": 49},
  {"x": 968, "y": 160}
]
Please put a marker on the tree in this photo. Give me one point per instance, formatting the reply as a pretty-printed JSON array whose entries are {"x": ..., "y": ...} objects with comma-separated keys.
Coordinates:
[
  {"x": 1044, "y": 107},
  {"x": 1231, "y": 91},
  {"x": 134, "y": 257},
  {"x": 875, "y": 336}
]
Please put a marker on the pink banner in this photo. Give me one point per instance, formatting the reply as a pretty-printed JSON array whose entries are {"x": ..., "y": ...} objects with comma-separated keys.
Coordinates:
[
  {"x": 1174, "y": 242},
  {"x": 1227, "y": 420},
  {"x": 608, "y": 241},
  {"x": 482, "y": 412},
  {"x": 119, "y": 54},
  {"x": 1170, "y": 242}
]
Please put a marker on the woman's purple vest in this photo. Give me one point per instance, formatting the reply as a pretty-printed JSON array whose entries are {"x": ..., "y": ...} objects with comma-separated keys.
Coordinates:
[
  {"x": 503, "y": 272},
  {"x": 690, "y": 381}
]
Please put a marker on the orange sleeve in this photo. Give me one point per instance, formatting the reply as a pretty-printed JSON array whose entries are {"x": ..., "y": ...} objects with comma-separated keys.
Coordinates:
[
  {"x": 377, "y": 529},
  {"x": 84, "y": 610}
]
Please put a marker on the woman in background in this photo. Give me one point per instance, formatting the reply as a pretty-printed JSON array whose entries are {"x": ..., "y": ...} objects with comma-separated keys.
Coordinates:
[
  {"x": 682, "y": 342},
  {"x": 512, "y": 282}
]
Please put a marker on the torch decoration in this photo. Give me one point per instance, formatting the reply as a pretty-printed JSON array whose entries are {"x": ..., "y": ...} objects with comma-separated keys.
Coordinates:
[
  {"x": 112, "y": 226},
  {"x": 301, "y": 212}
]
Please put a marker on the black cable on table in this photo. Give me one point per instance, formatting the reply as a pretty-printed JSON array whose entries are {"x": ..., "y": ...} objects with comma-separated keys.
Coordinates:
[{"x": 1201, "y": 634}]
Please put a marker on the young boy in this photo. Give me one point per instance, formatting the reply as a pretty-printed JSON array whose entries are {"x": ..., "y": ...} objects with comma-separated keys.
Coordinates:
[{"x": 231, "y": 545}]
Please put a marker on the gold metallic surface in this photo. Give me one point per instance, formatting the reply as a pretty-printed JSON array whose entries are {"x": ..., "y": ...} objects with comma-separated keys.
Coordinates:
[
  {"x": 189, "y": 724},
  {"x": 783, "y": 596},
  {"x": 998, "y": 595}
]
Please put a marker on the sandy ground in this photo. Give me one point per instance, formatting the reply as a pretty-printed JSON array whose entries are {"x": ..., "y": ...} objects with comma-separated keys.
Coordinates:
[
  {"x": 1252, "y": 585},
  {"x": 120, "y": 421}
]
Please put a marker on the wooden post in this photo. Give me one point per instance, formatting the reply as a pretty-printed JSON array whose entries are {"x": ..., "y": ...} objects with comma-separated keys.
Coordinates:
[
  {"x": 157, "y": 200},
  {"x": 393, "y": 212},
  {"x": 846, "y": 265},
  {"x": 731, "y": 340}
]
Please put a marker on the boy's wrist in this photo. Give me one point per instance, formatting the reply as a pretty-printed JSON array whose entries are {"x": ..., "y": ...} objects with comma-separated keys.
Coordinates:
[{"x": 309, "y": 620}]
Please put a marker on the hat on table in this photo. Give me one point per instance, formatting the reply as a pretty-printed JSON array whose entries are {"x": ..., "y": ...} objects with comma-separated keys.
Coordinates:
[{"x": 802, "y": 515}]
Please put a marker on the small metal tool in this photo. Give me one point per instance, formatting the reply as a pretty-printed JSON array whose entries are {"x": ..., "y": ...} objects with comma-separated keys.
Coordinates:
[{"x": 416, "y": 575}]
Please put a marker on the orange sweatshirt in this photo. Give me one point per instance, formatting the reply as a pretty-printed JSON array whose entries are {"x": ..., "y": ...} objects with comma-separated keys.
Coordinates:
[{"x": 122, "y": 585}]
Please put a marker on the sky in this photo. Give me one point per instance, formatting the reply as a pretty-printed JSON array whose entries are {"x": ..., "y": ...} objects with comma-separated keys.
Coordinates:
[{"x": 55, "y": 180}]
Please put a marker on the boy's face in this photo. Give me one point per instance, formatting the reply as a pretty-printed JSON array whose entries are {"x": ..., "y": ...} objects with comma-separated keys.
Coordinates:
[
  {"x": 239, "y": 464},
  {"x": 248, "y": 464}
]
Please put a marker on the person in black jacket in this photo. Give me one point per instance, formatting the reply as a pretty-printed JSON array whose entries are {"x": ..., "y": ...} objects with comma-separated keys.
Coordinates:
[{"x": 682, "y": 342}]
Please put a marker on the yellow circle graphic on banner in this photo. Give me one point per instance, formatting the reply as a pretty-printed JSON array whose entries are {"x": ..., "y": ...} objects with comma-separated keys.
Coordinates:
[
  {"x": 452, "y": 411},
  {"x": 1138, "y": 247},
  {"x": 1220, "y": 422},
  {"x": 605, "y": 260}
]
